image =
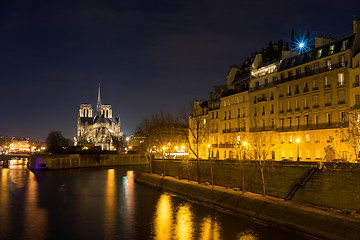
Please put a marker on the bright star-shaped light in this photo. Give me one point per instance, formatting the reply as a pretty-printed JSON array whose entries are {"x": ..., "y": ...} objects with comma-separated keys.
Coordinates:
[{"x": 301, "y": 44}]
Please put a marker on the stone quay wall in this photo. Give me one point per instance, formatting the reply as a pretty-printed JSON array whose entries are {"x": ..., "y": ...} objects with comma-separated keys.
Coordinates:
[
  {"x": 329, "y": 186},
  {"x": 65, "y": 161},
  {"x": 293, "y": 216}
]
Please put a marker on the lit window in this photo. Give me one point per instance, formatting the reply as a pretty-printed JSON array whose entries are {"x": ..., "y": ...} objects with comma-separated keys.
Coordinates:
[
  {"x": 318, "y": 54},
  {"x": 282, "y": 139},
  {"x": 306, "y": 102},
  {"x": 290, "y": 140},
  {"x": 238, "y": 139},
  {"x": 357, "y": 99},
  {"x": 328, "y": 99},
  {"x": 342, "y": 60},
  {"x": 331, "y": 49},
  {"x": 328, "y": 64},
  {"x": 204, "y": 121},
  {"x": 307, "y": 138},
  {"x": 289, "y": 122},
  {"x": 341, "y": 79},
  {"x": 327, "y": 82},
  {"x": 344, "y": 45},
  {"x": 357, "y": 82},
  {"x": 341, "y": 97}
]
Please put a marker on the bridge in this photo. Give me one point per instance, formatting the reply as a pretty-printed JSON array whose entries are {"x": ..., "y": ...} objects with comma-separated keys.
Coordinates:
[{"x": 6, "y": 158}]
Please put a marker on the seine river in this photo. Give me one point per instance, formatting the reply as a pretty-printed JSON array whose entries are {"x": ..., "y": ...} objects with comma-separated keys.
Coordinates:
[{"x": 105, "y": 203}]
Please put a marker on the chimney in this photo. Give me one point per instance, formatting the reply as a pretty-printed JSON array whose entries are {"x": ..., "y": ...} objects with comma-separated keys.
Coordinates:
[{"x": 356, "y": 26}]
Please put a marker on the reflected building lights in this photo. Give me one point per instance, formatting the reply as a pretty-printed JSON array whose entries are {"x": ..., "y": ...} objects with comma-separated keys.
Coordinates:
[
  {"x": 163, "y": 218},
  {"x": 247, "y": 235},
  {"x": 129, "y": 201},
  {"x": 184, "y": 225},
  {"x": 210, "y": 229},
  {"x": 4, "y": 202},
  {"x": 110, "y": 202},
  {"x": 35, "y": 217}
]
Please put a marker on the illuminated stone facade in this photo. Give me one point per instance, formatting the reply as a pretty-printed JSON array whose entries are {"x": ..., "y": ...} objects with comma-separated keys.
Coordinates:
[
  {"x": 303, "y": 97},
  {"x": 102, "y": 129}
]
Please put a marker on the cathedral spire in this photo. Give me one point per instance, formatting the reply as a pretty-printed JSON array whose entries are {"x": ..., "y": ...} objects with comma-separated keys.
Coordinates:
[{"x": 98, "y": 106}]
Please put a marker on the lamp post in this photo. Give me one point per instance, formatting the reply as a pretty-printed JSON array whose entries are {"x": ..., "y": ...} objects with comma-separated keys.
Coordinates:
[
  {"x": 212, "y": 177},
  {"x": 298, "y": 151},
  {"x": 163, "y": 157}
]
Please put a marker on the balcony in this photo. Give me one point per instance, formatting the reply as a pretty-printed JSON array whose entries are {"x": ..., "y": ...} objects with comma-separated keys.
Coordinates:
[
  {"x": 313, "y": 126},
  {"x": 297, "y": 109},
  {"x": 340, "y": 84},
  {"x": 261, "y": 99},
  {"x": 281, "y": 111},
  {"x": 261, "y": 87},
  {"x": 288, "y": 94},
  {"x": 306, "y": 90},
  {"x": 289, "y": 110},
  {"x": 341, "y": 102},
  {"x": 281, "y": 95},
  {"x": 327, "y": 104},
  {"x": 356, "y": 84},
  {"x": 314, "y": 72},
  {"x": 315, "y": 88},
  {"x": 226, "y": 145},
  {"x": 306, "y": 107},
  {"x": 327, "y": 85},
  {"x": 316, "y": 106}
]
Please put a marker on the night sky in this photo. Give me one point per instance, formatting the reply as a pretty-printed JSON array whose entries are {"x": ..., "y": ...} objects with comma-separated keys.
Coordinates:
[{"x": 149, "y": 56}]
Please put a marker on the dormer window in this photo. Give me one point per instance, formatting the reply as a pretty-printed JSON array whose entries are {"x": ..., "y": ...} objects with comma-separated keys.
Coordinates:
[
  {"x": 331, "y": 49},
  {"x": 318, "y": 54},
  {"x": 344, "y": 45}
]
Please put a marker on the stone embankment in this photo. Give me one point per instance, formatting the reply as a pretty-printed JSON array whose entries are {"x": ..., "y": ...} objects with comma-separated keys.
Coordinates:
[
  {"x": 296, "y": 217},
  {"x": 67, "y": 161}
]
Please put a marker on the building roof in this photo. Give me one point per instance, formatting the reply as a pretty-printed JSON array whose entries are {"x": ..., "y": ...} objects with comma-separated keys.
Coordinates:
[{"x": 312, "y": 55}]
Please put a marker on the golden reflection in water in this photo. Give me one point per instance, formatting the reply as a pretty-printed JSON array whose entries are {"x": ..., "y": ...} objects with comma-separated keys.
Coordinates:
[
  {"x": 4, "y": 204},
  {"x": 210, "y": 229},
  {"x": 163, "y": 218},
  {"x": 35, "y": 217},
  {"x": 110, "y": 205},
  {"x": 129, "y": 195},
  {"x": 184, "y": 225},
  {"x": 247, "y": 235}
]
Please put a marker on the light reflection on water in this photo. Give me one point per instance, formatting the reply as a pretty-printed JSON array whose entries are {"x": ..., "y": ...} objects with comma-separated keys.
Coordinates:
[
  {"x": 4, "y": 190},
  {"x": 178, "y": 222},
  {"x": 210, "y": 229},
  {"x": 107, "y": 204}
]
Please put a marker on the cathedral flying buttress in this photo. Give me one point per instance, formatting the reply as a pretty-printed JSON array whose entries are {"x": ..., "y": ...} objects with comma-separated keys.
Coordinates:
[{"x": 102, "y": 129}]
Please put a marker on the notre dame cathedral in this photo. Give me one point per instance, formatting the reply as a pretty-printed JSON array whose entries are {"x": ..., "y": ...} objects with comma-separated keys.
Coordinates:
[{"x": 102, "y": 129}]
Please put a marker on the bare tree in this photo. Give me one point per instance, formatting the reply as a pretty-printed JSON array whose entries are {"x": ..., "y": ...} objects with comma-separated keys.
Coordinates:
[
  {"x": 241, "y": 149},
  {"x": 349, "y": 131},
  {"x": 162, "y": 133},
  {"x": 197, "y": 131},
  {"x": 260, "y": 147}
]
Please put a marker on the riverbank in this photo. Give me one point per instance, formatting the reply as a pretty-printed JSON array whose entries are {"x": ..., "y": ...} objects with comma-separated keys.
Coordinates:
[
  {"x": 294, "y": 216},
  {"x": 68, "y": 161}
]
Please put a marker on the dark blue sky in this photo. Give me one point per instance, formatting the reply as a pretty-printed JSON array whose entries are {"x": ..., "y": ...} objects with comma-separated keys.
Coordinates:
[{"x": 149, "y": 56}]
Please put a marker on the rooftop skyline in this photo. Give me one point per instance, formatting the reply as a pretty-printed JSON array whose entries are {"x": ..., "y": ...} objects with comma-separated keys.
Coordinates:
[{"x": 148, "y": 57}]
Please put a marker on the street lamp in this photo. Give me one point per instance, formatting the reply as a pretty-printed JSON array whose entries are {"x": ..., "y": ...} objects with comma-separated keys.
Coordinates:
[
  {"x": 298, "y": 151},
  {"x": 244, "y": 144},
  {"x": 211, "y": 171}
]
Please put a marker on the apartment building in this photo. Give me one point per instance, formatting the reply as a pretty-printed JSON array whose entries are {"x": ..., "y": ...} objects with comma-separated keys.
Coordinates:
[{"x": 301, "y": 98}]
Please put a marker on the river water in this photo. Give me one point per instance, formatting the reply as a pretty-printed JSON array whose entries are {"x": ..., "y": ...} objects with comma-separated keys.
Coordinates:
[{"x": 105, "y": 203}]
